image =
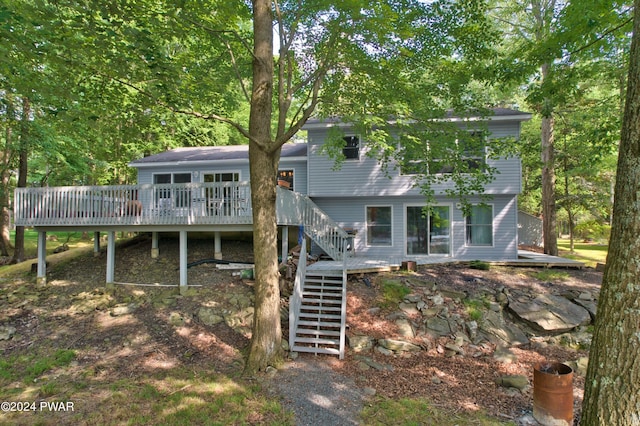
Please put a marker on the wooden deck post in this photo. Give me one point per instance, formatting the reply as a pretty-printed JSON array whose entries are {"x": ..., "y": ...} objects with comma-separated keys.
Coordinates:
[
  {"x": 96, "y": 244},
  {"x": 217, "y": 245},
  {"x": 111, "y": 259},
  {"x": 41, "y": 278},
  {"x": 285, "y": 244},
  {"x": 155, "y": 251},
  {"x": 183, "y": 262}
]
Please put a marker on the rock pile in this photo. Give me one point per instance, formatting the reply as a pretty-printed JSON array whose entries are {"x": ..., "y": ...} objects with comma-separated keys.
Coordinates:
[{"x": 479, "y": 321}]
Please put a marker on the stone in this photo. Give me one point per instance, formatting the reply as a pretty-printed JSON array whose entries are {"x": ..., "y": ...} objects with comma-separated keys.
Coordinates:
[
  {"x": 176, "y": 319},
  {"x": 425, "y": 284},
  {"x": 504, "y": 355},
  {"x": 453, "y": 294},
  {"x": 405, "y": 329},
  {"x": 590, "y": 305},
  {"x": 384, "y": 351},
  {"x": 410, "y": 309},
  {"x": 454, "y": 348},
  {"x": 368, "y": 391},
  {"x": 517, "y": 381},
  {"x": 437, "y": 299},
  {"x": 374, "y": 311},
  {"x": 7, "y": 331},
  {"x": 412, "y": 298},
  {"x": 209, "y": 317},
  {"x": 472, "y": 329},
  {"x": 121, "y": 309},
  {"x": 431, "y": 312},
  {"x": 438, "y": 326},
  {"x": 502, "y": 332},
  {"x": 398, "y": 345},
  {"x": 360, "y": 343},
  {"x": 550, "y": 313}
]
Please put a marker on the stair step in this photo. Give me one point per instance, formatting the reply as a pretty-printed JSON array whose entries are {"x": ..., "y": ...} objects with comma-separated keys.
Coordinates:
[
  {"x": 329, "y": 296},
  {"x": 316, "y": 341},
  {"x": 308, "y": 315},
  {"x": 314, "y": 350},
  {"x": 309, "y": 286},
  {"x": 320, "y": 308},
  {"x": 317, "y": 332},
  {"x": 324, "y": 279},
  {"x": 319, "y": 324}
]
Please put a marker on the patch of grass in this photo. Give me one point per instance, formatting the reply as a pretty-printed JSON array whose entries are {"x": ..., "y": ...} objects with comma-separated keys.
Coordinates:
[
  {"x": 551, "y": 275},
  {"x": 40, "y": 365},
  {"x": 393, "y": 292},
  {"x": 589, "y": 253},
  {"x": 479, "y": 264},
  {"x": 409, "y": 412},
  {"x": 475, "y": 308}
]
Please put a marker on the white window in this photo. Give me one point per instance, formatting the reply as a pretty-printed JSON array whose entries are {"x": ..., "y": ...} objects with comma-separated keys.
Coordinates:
[
  {"x": 479, "y": 226},
  {"x": 172, "y": 197},
  {"x": 379, "y": 228}
]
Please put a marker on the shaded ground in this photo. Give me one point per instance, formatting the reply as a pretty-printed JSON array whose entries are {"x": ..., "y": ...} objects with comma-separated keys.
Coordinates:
[{"x": 142, "y": 329}]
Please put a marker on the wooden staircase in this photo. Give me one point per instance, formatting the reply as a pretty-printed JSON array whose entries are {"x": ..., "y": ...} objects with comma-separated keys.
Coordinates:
[
  {"x": 318, "y": 311},
  {"x": 322, "y": 315}
]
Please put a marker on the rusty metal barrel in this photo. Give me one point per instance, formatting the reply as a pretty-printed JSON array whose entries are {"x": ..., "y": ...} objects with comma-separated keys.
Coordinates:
[{"x": 553, "y": 394}]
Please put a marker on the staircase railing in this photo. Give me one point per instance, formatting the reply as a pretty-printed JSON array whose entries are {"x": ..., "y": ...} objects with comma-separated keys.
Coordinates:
[
  {"x": 296, "y": 297},
  {"x": 343, "y": 310},
  {"x": 297, "y": 209}
]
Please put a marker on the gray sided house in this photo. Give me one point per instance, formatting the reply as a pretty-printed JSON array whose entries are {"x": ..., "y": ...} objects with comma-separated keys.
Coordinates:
[{"x": 382, "y": 213}]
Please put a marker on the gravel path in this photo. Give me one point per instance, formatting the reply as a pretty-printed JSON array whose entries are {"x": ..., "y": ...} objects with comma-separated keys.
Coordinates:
[{"x": 317, "y": 394}]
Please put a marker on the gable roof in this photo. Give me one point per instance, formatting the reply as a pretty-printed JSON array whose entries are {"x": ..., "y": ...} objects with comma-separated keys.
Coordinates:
[{"x": 213, "y": 153}]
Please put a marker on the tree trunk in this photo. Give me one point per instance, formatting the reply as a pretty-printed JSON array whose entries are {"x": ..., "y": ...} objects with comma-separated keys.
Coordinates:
[
  {"x": 612, "y": 385},
  {"x": 266, "y": 347},
  {"x": 18, "y": 254},
  {"x": 549, "y": 225},
  {"x": 5, "y": 217}
]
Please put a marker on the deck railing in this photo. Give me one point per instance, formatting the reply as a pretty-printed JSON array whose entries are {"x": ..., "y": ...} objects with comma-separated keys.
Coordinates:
[
  {"x": 161, "y": 204},
  {"x": 298, "y": 209}
]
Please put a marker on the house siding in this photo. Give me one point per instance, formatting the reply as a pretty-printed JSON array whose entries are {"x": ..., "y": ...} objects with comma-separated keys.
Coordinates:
[
  {"x": 366, "y": 177},
  {"x": 145, "y": 175},
  {"x": 351, "y": 213}
]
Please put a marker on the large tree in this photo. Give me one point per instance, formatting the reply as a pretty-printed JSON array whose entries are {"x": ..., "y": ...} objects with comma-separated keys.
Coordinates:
[{"x": 612, "y": 385}]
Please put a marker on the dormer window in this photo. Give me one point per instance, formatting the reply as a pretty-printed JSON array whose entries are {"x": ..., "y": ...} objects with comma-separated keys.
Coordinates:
[{"x": 351, "y": 150}]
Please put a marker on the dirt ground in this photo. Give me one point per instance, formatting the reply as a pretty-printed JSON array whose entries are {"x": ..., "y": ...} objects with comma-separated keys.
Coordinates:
[{"x": 164, "y": 329}]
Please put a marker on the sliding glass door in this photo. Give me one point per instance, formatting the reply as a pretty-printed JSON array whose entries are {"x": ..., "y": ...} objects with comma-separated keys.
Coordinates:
[{"x": 428, "y": 233}]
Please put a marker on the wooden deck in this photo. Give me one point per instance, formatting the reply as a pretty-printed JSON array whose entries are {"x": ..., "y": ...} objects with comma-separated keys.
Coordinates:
[{"x": 356, "y": 265}]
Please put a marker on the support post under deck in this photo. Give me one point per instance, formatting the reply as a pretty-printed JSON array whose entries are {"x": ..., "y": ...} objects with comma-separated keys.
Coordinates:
[
  {"x": 183, "y": 262},
  {"x": 217, "y": 245},
  {"x": 285, "y": 244},
  {"x": 96, "y": 244},
  {"x": 41, "y": 278},
  {"x": 111, "y": 259},
  {"x": 155, "y": 251}
]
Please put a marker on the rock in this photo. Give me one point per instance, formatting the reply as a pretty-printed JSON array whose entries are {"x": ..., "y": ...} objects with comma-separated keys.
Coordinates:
[
  {"x": 412, "y": 298},
  {"x": 7, "y": 331},
  {"x": 454, "y": 348},
  {"x": 285, "y": 345},
  {"x": 373, "y": 364},
  {"x": 410, "y": 309},
  {"x": 513, "y": 381},
  {"x": 438, "y": 326},
  {"x": 504, "y": 355},
  {"x": 437, "y": 299},
  {"x": 472, "y": 329},
  {"x": 121, "y": 309},
  {"x": 585, "y": 295},
  {"x": 209, "y": 317},
  {"x": 405, "y": 329},
  {"x": 550, "y": 313},
  {"x": 453, "y": 294},
  {"x": 398, "y": 345},
  {"x": 431, "y": 312},
  {"x": 416, "y": 282},
  {"x": 360, "y": 343},
  {"x": 176, "y": 319},
  {"x": 374, "y": 311},
  {"x": 590, "y": 305},
  {"x": 436, "y": 380},
  {"x": 384, "y": 351},
  {"x": 502, "y": 332},
  {"x": 367, "y": 391}
]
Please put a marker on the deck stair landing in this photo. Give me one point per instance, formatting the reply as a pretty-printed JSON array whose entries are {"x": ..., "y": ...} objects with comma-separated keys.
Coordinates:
[{"x": 322, "y": 315}]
